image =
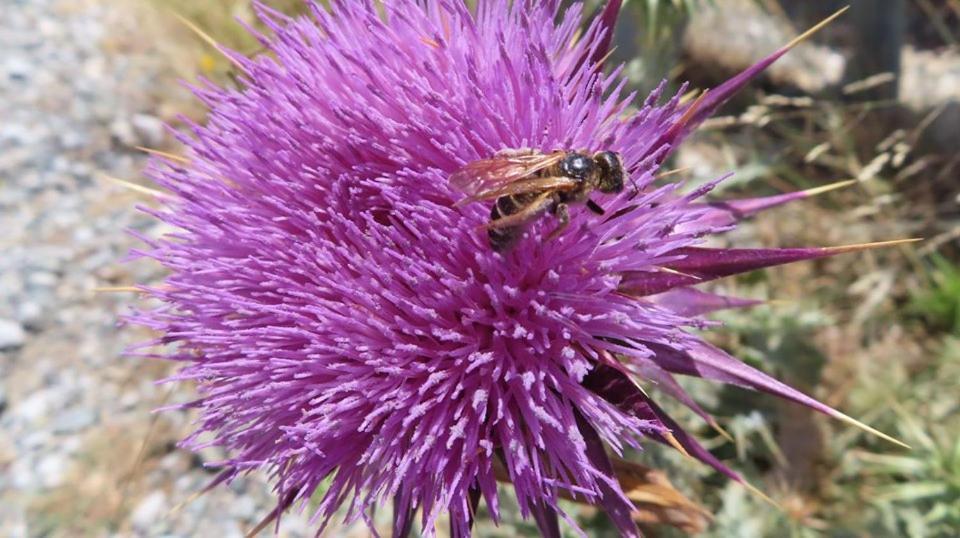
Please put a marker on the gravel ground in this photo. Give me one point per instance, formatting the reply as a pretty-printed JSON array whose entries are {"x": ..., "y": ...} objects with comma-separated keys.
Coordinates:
[{"x": 80, "y": 452}]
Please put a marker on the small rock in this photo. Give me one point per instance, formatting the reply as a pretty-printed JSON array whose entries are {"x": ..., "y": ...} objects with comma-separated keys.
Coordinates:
[
  {"x": 35, "y": 440},
  {"x": 42, "y": 279},
  {"x": 12, "y": 334},
  {"x": 209, "y": 457},
  {"x": 122, "y": 131},
  {"x": 149, "y": 510},
  {"x": 74, "y": 420},
  {"x": 35, "y": 406},
  {"x": 52, "y": 470},
  {"x": 148, "y": 129},
  {"x": 21, "y": 474},
  {"x": 245, "y": 508},
  {"x": 30, "y": 313},
  {"x": 17, "y": 68},
  {"x": 72, "y": 140}
]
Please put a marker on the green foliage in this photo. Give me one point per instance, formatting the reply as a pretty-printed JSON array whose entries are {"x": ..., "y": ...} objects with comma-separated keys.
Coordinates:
[
  {"x": 938, "y": 303},
  {"x": 648, "y": 36},
  {"x": 661, "y": 17},
  {"x": 915, "y": 493}
]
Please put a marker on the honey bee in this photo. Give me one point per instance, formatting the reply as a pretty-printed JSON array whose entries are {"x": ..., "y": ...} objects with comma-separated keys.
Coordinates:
[{"x": 526, "y": 184}]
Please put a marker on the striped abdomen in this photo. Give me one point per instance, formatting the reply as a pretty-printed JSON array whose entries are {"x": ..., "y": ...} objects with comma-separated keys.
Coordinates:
[{"x": 503, "y": 238}]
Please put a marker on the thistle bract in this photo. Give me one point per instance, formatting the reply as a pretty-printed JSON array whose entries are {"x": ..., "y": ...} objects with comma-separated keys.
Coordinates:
[{"x": 348, "y": 326}]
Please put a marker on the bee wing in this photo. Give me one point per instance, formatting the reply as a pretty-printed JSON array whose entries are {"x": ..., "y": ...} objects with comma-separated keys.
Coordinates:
[
  {"x": 522, "y": 186},
  {"x": 487, "y": 175}
]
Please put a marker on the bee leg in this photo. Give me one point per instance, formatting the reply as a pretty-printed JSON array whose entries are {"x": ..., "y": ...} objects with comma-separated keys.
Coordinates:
[
  {"x": 593, "y": 206},
  {"x": 562, "y": 212}
]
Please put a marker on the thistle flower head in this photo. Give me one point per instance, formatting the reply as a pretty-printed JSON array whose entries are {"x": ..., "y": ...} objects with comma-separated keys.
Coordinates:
[{"x": 348, "y": 326}]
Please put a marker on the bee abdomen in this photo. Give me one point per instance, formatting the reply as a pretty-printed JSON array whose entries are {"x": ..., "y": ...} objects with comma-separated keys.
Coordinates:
[
  {"x": 502, "y": 238},
  {"x": 506, "y": 205}
]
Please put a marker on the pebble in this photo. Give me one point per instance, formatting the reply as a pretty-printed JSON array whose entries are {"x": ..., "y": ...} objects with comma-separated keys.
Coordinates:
[
  {"x": 12, "y": 334},
  {"x": 29, "y": 313},
  {"x": 149, "y": 130},
  {"x": 122, "y": 131},
  {"x": 245, "y": 508},
  {"x": 52, "y": 470},
  {"x": 17, "y": 68},
  {"x": 149, "y": 510},
  {"x": 74, "y": 420}
]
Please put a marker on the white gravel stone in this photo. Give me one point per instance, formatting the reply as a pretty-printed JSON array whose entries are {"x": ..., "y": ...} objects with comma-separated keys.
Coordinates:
[
  {"x": 12, "y": 334},
  {"x": 52, "y": 470},
  {"x": 148, "y": 129},
  {"x": 149, "y": 511},
  {"x": 74, "y": 420}
]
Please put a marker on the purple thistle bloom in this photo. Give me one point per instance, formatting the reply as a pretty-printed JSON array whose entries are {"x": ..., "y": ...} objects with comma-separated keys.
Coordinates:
[{"x": 349, "y": 328}]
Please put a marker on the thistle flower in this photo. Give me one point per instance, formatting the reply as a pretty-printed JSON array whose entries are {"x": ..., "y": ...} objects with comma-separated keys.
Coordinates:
[{"x": 351, "y": 331}]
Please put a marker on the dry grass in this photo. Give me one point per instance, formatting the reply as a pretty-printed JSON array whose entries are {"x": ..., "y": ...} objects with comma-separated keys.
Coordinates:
[{"x": 107, "y": 479}]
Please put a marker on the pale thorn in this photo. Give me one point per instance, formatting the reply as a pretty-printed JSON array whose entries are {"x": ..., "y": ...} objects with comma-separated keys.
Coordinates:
[
  {"x": 117, "y": 289},
  {"x": 723, "y": 433},
  {"x": 675, "y": 272},
  {"x": 164, "y": 154},
  {"x": 672, "y": 441},
  {"x": 814, "y": 29},
  {"x": 869, "y": 246},
  {"x": 691, "y": 110},
  {"x": 135, "y": 187},
  {"x": 854, "y": 422},
  {"x": 753, "y": 489},
  {"x": 690, "y": 95},
  {"x": 669, "y": 173},
  {"x": 827, "y": 188},
  {"x": 606, "y": 57},
  {"x": 182, "y": 504},
  {"x": 204, "y": 36}
]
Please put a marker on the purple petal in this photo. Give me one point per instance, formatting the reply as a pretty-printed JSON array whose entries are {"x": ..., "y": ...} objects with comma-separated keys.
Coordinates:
[
  {"x": 689, "y": 443},
  {"x": 727, "y": 213},
  {"x": 615, "y": 387},
  {"x": 608, "y": 23},
  {"x": 402, "y": 517},
  {"x": 461, "y": 524},
  {"x": 274, "y": 515},
  {"x": 668, "y": 384},
  {"x": 708, "y": 362},
  {"x": 546, "y": 518},
  {"x": 693, "y": 302},
  {"x": 616, "y": 504},
  {"x": 703, "y": 264}
]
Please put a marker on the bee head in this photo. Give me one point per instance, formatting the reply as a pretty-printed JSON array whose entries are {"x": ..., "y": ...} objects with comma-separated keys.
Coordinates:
[
  {"x": 611, "y": 171},
  {"x": 577, "y": 166}
]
